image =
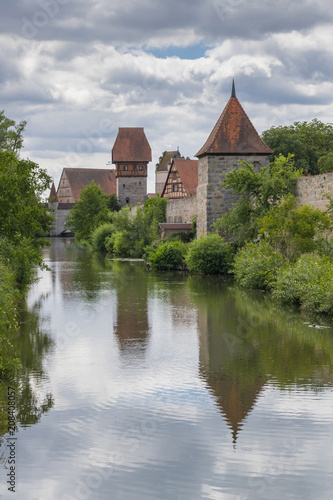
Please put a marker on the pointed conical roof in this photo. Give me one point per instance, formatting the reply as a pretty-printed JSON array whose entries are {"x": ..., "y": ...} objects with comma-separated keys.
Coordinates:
[
  {"x": 234, "y": 133},
  {"x": 53, "y": 194}
]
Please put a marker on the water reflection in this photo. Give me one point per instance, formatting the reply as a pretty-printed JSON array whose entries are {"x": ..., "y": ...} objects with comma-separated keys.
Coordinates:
[
  {"x": 247, "y": 340},
  {"x": 169, "y": 386},
  {"x": 132, "y": 326},
  {"x": 33, "y": 398}
]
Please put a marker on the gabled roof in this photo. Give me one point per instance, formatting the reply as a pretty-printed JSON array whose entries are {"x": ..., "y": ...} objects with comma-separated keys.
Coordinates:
[
  {"x": 234, "y": 133},
  {"x": 162, "y": 166},
  {"x": 188, "y": 173},
  {"x": 131, "y": 145},
  {"x": 53, "y": 198},
  {"x": 78, "y": 178}
]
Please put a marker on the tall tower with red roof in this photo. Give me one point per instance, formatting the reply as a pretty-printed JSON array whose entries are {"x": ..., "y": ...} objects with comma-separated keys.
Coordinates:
[
  {"x": 233, "y": 138},
  {"x": 131, "y": 154}
]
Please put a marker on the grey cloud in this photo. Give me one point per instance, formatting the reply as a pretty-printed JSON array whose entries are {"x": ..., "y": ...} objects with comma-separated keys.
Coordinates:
[{"x": 132, "y": 22}]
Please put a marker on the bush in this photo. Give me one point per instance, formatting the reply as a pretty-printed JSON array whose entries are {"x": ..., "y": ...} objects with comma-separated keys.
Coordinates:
[
  {"x": 324, "y": 247},
  {"x": 99, "y": 236},
  {"x": 308, "y": 282},
  {"x": 169, "y": 256},
  {"x": 256, "y": 265},
  {"x": 293, "y": 230},
  {"x": 8, "y": 323},
  {"x": 209, "y": 255},
  {"x": 121, "y": 244}
]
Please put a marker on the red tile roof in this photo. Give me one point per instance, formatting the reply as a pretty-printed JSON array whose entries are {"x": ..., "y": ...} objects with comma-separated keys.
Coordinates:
[
  {"x": 131, "y": 145},
  {"x": 188, "y": 172},
  {"x": 78, "y": 178},
  {"x": 234, "y": 133}
]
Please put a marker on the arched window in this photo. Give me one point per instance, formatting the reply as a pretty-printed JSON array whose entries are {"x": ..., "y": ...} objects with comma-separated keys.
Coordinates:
[{"x": 127, "y": 200}]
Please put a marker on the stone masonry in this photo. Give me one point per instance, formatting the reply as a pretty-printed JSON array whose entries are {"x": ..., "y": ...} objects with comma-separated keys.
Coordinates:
[
  {"x": 182, "y": 210},
  {"x": 131, "y": 190},
  {"x": 311, "y": 190},
  {"x": 212, "y": 200}
]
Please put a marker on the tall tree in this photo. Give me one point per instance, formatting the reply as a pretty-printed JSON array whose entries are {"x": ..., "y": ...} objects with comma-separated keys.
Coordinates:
[
  {"x": 257, "y": 193},
  {"x": 90, "y": 211},
  {"x": 11, "y": 138},
  {"x": 307, "y": 141}
]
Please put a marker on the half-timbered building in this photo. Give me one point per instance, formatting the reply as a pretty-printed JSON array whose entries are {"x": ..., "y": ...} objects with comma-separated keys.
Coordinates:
[{"x": 182, "y": 179}]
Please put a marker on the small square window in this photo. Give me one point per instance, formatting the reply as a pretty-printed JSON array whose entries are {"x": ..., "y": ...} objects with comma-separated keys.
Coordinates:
[
  {"x": 141, "y": 167},
  {"x": 125, "y": 167}
]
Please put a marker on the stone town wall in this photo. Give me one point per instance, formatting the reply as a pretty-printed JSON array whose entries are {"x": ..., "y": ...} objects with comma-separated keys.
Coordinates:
[
  {"x": 212, "y": 200},
  {"x": 311, "y": 190},
  {"x": 181, "y": 210}
]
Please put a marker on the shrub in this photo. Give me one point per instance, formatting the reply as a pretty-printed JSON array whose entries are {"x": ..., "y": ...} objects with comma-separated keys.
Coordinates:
[
  {"x": 121, "y": 244},
  {"x": 292, "y": 230},
  {"x": 209, "y": 255},
  {"x": 324, "y": 247},
  {"x": 169, "y": 256},
  {"x": 256, "y": 265},
  {"x": 8, "y": 323},
  {"x": 308, "y": 282},
  {"x": 99, "y": 236}
]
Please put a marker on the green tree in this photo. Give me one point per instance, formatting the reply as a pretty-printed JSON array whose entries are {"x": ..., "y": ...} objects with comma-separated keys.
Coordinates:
[
  {"x": 257, "y": 192},
  {"x": 89, "y": 212},
  {"x": 325, "y": 163},
  {"x": 307, "y": 141},
  {"x": 11, "y": 138},
  {"x": 292, "y": 230},
  {"x": 23, "y": 218},
  {"x": 113, "y": 203},
  {"x": 155, "y": 213}
]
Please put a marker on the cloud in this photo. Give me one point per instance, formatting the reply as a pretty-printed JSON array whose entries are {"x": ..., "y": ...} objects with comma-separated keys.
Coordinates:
[{"x": 67, "y": 66}]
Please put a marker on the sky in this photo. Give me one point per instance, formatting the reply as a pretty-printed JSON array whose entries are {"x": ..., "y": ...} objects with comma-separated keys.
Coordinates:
[{"x": 77, "y": 70}]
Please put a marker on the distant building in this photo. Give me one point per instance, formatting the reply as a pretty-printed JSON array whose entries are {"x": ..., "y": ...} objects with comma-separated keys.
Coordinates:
[
  {"x": 131, "y": 154},
  {"x": 162, "y": 169},
  {"x": 182, "y": 179},
  {"x": 73, "y": 180}
]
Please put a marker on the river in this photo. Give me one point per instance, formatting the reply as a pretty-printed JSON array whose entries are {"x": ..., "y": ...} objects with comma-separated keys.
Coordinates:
[{"x": 139, "y": 385}]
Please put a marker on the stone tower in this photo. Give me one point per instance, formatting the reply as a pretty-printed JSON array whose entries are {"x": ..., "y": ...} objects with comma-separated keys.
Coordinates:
[
  {"x": 233, "y": 138},
  {"x": 131, "y": 153}
]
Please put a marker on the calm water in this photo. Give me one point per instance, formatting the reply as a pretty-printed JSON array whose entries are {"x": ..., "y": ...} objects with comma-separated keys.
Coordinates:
[{"x": 143, "y": 386}]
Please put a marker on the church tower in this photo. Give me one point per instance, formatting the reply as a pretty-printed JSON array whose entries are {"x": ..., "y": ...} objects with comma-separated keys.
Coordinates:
[
  {"x": 233, "y": 138},
  {"x": 131, "y": 154}
]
